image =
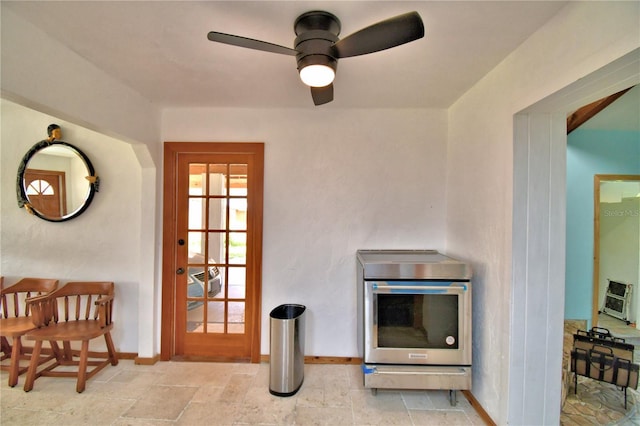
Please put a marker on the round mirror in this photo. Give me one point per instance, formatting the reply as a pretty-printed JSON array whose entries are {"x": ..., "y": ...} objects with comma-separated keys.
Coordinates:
[{"x": 56, "y": 181}]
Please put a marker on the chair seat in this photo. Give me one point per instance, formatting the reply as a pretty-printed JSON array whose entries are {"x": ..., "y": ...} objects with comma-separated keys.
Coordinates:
[
  {"x": 67, "y": 331},
  {"x": 17, "y": 326}
]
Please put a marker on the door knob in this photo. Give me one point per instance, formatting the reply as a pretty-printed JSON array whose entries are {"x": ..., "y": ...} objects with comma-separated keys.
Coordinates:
[{"x": 180, "y": 271}]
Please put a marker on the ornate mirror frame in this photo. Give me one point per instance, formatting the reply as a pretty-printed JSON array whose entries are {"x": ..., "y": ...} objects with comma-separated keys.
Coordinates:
[{"x": 23, "y": 198}]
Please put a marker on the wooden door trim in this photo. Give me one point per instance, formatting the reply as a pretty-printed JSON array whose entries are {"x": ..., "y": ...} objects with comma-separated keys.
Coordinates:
[{"x": 169, "y": 211}]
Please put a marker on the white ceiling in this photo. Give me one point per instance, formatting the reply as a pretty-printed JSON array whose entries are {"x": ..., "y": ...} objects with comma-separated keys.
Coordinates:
[{"x": 160, "y": 48}]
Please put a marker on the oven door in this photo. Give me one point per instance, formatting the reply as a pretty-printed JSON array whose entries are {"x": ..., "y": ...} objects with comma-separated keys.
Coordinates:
[{"x": 417, "y": 322}]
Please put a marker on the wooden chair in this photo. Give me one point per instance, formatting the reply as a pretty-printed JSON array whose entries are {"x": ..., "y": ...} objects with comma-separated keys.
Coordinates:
[
  {"x": 15, "y": 322},
  {"x": 76, "y": 312}
]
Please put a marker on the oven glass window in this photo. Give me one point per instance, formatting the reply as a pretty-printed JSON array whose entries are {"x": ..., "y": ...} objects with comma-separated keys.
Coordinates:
[{"x": 417, "y": 321}]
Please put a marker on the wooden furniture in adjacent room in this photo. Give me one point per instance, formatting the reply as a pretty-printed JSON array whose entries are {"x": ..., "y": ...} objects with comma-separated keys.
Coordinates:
[
  {"x": 74, "y": 314},
  {"x": 15, "y": 322}
]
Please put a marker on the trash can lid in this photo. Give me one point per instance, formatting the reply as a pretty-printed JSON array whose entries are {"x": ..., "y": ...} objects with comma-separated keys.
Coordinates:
[{"x": 287, "y": 311}]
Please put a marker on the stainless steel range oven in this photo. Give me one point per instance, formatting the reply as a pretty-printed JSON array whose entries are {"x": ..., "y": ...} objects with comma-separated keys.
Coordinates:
[{"x": 415, "y": 307}]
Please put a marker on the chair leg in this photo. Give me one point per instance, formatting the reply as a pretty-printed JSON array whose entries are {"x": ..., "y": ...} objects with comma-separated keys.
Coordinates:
[
  {"x": 67, "y": 352},
  {"x": 111, "y": 349},
  {"x": 33, "y": 366},
  {"x": 82, "y": 366},
  {"x": 5, "y": 347},
  {"x": 56, "y": 350},
  {"x": 14, "y": 367}
]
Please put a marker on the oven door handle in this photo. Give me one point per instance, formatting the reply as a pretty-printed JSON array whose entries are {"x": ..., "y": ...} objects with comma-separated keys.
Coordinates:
[
  {"x": 421, "y": 289},
  {"x": 442, "y": 371}
]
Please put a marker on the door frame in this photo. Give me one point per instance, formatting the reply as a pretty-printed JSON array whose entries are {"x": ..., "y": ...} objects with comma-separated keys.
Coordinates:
[
  {"x": 538, "y": 242},
  {"x": 169, "y": 212}
]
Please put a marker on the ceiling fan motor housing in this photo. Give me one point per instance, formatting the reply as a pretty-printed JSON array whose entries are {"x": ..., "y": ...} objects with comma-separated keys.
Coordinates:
[{"x": 316, "y": 32}]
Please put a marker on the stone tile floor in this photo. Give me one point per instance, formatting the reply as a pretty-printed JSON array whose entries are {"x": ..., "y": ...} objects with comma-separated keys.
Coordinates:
[
  {"x": 202, "y": 393},
  {"x": 188, "y": 393},
  {"x": 598, "y": 403}
]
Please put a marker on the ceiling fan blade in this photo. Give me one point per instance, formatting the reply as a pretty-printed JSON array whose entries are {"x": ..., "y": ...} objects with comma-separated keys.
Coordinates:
[
  {"x": 250, "y": 43},
  {"x": 383, "y": 35},
  {"x": 322, "y": 95}
]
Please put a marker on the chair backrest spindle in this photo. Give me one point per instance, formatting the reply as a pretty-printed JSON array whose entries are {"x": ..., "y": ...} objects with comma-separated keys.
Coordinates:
[
  {"x": 16, "y": 305},
  {"x": 14, "y": 297},
  {"x": 80, "y": 304},
  {"x": 87, "y": 314}
]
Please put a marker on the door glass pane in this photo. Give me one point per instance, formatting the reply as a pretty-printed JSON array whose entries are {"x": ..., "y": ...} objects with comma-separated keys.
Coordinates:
[
  {"x": 223, "y": 290},
  {"x": 215, "y": 315},
  {"x": 196, "y": 178},
  {"x": 238, "y": 179},
  {"x": 236, "y": 317},
  {"x": 237, "y": 283},
  {"x": 217, "y": 179},
  {"x": 217, "y": 213},
  {"x": 237, "y": 248},
  {"x": 238, "y": 214},
  {"x": 195, "y": 303},
  {"x": 213, "y": 285},
  {"x": 196, "y": 213},
  {"x": 216, "y": 247},
  {"x": 196, "y": 247}
]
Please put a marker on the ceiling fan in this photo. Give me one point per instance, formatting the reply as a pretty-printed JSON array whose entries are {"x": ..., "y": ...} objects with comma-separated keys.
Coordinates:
[{"x": 318, "y": 48}]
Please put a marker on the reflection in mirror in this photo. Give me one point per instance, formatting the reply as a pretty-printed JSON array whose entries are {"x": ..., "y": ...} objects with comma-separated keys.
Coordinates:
[
  {"x": 56, "y": 181},
  {"x": 616, "y": 245}
]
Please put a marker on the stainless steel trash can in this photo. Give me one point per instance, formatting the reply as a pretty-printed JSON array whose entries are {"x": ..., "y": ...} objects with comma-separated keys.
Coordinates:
[{"x": 286, "y": 360}]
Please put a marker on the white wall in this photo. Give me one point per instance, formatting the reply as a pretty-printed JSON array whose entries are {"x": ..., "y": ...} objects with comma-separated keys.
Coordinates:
[
  {"x": 102, "y": 244},
  {"x": 41, "y": 73},
  {"x": 511, "y": 384},
  {"x": 335, "y": 182}
]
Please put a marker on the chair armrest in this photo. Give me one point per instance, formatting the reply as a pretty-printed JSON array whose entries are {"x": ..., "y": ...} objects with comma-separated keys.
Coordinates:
[
  {"x": 103, "y": 299},
  {"x": 104, "y": 308},
  {"x": 41, "y": 309}
]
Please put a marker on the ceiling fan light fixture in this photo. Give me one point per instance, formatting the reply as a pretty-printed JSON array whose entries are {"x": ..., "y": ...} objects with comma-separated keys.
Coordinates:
[
  {"x": 317, "y": 75},
  {"x": 317, "y": 70}
]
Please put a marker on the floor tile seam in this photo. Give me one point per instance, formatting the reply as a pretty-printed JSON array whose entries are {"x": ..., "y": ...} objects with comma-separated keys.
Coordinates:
[
  {"x": 469, "y": 421},
  {"x": 57, "y": 410},
  {"x": 146, "y": 419},
  {"x": 164, "y": 385},
  {"x": 322, "y": 405},
  {"x": 351, "y": 404},
  {"x": 34, "y": 410},
  {"x": 447, "y": 410},
  {"x": 103, "y": 397},
  {"x": 184, "y": 409}
]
